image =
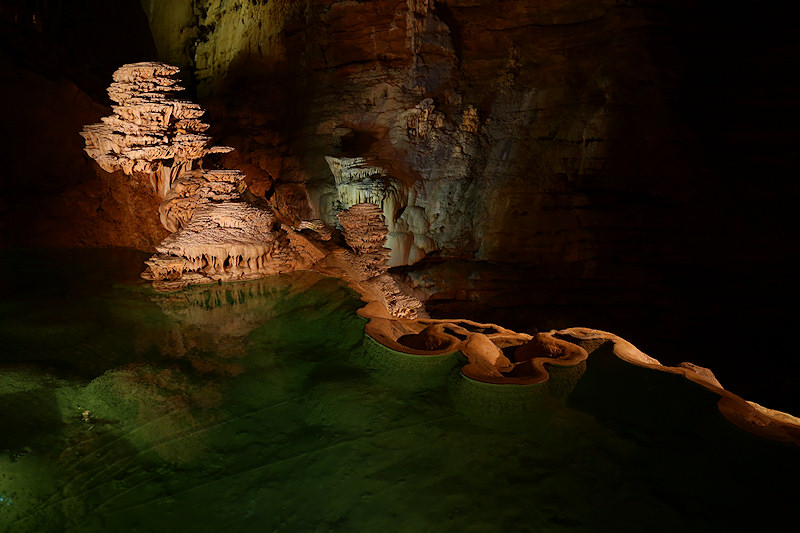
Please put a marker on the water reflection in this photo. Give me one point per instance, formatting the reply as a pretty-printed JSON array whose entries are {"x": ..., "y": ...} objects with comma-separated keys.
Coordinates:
[
  {"x": 156, "y": 390},
  {"x": 261, "y": 407}
]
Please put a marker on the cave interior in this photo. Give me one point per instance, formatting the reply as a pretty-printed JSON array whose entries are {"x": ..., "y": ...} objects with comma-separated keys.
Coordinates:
[{"x": 623, "y": 165}]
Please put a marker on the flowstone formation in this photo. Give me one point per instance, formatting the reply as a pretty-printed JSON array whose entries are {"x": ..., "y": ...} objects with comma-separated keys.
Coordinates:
[
  {"x": 222, "y": 232},
  {"x": 151, "y": 132},
  {"x": 358, "y": 181}
]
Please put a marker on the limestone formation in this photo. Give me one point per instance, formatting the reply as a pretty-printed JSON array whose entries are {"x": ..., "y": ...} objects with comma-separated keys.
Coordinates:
[
  {"x": 151, "y": 132},
  {"x": 196, "y": 188},
  {"x": 221, "y": 232},
  {"x": 218, "y": 235},
  {"x": 358, "y": 181},
  {"x": 365, "y": 232},
  {"x": 222, "y": 242}
]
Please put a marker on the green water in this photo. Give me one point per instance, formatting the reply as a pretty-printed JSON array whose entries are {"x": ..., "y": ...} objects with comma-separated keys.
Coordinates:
[{"x": 260, "y": 407}]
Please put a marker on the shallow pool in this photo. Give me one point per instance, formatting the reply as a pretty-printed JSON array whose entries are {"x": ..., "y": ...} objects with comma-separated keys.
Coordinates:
[{"x": 261, "y": 406}]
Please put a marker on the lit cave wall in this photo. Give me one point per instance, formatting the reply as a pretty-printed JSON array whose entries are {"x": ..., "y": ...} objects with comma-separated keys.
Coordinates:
[{"x": 622, "y": 165}]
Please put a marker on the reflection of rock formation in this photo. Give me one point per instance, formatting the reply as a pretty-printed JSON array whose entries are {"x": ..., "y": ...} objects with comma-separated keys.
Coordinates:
[{"x": 212, "y": 322}]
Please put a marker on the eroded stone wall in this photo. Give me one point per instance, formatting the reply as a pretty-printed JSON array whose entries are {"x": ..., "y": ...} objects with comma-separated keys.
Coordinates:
[{"x": 526, "y": 131}]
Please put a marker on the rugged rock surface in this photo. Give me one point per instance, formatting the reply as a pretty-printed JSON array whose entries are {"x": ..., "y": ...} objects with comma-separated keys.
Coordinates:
[
  {"x": 217, "y": 235},
  {"x": 412, "y": 85},
  {"x": 221, "y": 232},
  {"x": 222, "y": 241},
  {"x": 365, "y": 232},
  {"x": 197, "y": 188},
  {"x": 151, "y": 131}
]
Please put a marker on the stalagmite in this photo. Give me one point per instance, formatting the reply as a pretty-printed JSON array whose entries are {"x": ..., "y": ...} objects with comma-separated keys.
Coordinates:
[
  {"x": 151, "y": 131},
  {"x": 365, "y": 232},
  {"x": 218, "y": 235},
  {"x": 358, "y": 182}
]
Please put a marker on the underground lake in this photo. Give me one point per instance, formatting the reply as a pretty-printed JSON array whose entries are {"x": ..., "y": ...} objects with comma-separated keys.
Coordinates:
[{"x": 262, "y": 406}]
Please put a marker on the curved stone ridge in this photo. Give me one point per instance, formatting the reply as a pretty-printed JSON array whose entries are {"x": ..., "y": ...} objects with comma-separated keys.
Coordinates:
[
  {"x": 151, "y": 131},
  {"x": 483, "y": 345}
]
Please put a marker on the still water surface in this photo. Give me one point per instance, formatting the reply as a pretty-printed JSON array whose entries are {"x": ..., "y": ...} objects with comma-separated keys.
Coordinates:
[{"x": 261, "y": 406}]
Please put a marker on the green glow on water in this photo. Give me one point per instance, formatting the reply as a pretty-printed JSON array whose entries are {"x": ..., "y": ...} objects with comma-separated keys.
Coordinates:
[{"x": 261, "y": 406}]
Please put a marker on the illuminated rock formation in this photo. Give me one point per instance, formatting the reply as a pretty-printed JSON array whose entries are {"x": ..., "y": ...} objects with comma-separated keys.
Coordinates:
[
  {"x": 221, "y": 232},
  {"x": 356, "y": 181},
  {"x": 151, "y": 132},
  {"x": 222, "y": 241},
  {"x": 365, "y": 232},
  {"x": 218, "y": 235},
  {"x": 197, "y": 188},
  {"x": 535, "y": 357}
]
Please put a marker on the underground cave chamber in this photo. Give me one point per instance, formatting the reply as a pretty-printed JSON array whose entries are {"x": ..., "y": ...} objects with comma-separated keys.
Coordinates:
[{"x": 338, "y": 220}]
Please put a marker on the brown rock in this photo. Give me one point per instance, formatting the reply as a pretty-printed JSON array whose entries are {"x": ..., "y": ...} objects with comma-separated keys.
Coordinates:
[{"x": 151, "y": 132}]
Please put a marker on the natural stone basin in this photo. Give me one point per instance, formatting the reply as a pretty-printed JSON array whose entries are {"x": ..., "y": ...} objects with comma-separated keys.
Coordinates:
[{"x": 262, "y": 406}]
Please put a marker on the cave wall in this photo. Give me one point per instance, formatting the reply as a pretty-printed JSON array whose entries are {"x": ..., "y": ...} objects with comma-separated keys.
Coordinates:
[
  {"x": 56, "y": 61},
  {"x": 568, "y": 133},
  {"x": 544, "y": 132},
  {"x": 633, "y": 160}
]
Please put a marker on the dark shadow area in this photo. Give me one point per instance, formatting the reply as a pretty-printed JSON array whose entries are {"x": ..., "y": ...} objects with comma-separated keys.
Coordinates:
[
  {"x": 27, "y": 420},
  {"x": 81, "y": 40},
  {"x": 731, "y": 320},
  {"x": 678, "y": 422}
]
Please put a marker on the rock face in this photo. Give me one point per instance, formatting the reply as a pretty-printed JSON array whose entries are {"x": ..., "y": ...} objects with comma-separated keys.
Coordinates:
[
  {"x": 597, "y": 140},
  {"x": 484, "y": 131},
  {"x": 365, "y": 232},
  {"x": 151, "y": 131},
  {"x": 356, "y": 181},
  {"x": 217, "y": 234},
  {"x": 221, "y": 231},
  {"x": 223, "y": 241},
  {"x": 198, "y": 188}
]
